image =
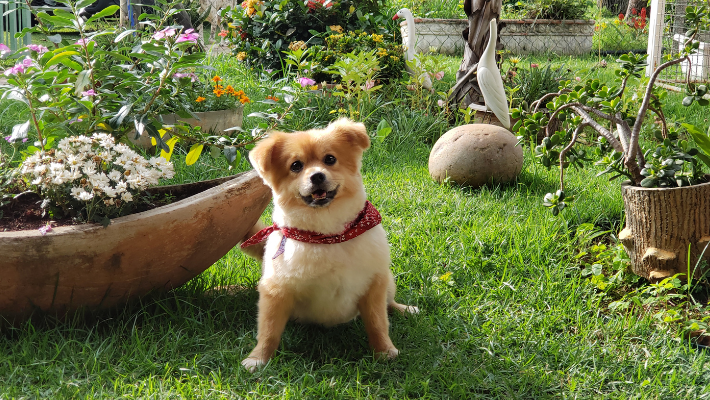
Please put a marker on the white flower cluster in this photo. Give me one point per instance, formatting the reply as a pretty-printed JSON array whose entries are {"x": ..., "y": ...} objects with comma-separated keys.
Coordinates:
[{"x": 95, "y": 168}]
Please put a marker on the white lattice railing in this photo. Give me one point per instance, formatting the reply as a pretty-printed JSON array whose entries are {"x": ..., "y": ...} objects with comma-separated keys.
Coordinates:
[{"x": 666, "y": 37}]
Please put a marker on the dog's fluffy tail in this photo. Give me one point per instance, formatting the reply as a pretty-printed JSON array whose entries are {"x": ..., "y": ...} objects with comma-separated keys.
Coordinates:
[{"x": 255, "y": 251}]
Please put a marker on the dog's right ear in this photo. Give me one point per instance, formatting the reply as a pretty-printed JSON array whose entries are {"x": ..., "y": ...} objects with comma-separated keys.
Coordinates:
[{"x": 266, "y": 152}]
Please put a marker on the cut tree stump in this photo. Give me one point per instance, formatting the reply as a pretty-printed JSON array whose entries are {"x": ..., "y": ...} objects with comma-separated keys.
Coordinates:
[{"x": 661, "y": 224}]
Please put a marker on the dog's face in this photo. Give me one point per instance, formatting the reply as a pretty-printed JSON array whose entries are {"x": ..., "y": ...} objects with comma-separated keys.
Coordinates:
[{"x": 313, "y": 168}]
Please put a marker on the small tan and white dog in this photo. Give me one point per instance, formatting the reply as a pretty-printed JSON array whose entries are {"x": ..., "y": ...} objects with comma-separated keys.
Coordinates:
[{"x": 326, "y": 258}]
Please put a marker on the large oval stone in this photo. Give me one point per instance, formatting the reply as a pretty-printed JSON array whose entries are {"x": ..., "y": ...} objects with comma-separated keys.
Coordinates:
[{"x": 476, "y": 154}]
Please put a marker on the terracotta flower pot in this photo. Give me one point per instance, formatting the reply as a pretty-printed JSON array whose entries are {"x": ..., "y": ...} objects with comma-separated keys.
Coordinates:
[
  {"x": 215, "y": 121},
  {"x": 88, "y": 266},
  {"x": 662, "y": 225}
]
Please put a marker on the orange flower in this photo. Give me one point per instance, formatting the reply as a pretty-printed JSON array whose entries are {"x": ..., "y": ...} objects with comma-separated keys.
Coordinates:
[
  {"x": 200, "y": 99},
  {"x": 218, "y": 90},
  {"x": 272, "y": 98},
  {"x": 230, "y": 90},
  {"x": 223, "y": 33},
  {"x": 216, "y": 79},
  {"x": 244, "y": 99}
]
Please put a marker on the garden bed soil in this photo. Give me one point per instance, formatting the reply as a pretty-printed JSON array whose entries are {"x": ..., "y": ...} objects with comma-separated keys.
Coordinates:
[{"x": 25, "y": 213}]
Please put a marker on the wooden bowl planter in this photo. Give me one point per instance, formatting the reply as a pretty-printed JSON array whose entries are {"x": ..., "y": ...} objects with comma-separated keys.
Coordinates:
[
  {"x": 568, "y": 37},
  {"x": 91, "y": 267},
  {"x": 661, "y": 223}
]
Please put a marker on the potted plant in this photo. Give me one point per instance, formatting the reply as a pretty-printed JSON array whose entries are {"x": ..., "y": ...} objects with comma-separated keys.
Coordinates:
[
  {"x": 667, "y": 197},
  {"x": 217, "y": 109},
  {"x": 83, "y": 98}
]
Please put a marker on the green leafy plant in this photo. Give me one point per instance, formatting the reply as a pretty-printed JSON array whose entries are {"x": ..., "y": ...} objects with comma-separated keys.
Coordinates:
[
  {"x": 357, "y": 73},
  {"x": 79, "y": 88},
  {"x": 9, "y": 179},
  {"x": 390, "y": 54},
  {"x": 609, "y": 115},
  {"x": 260, "y": 30},
  {"x": 535, "y": 82},
  {"x": 548, "y": 9}
]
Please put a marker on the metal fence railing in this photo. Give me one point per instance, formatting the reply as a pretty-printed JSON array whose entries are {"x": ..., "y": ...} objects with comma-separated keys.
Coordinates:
[
  {"x": 617, "y": 32},
  {"x": 14, "y": 17},
  {"x": 667, "y": 38}
]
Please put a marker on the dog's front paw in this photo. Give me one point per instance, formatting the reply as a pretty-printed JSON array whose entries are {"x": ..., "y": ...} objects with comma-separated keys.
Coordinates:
[
  {"x": 253, "y": 363},
  {"x": 388, "y": 354}
]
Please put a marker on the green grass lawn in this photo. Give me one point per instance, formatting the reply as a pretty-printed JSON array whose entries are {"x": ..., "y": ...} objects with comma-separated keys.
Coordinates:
[{"x": 505, "y": 310}]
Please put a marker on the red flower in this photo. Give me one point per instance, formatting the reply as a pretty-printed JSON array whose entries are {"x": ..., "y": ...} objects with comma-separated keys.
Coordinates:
[
  {"x": 621, "y": 17},
  {"x": 633, "y": 11},
  {"x": 643, "y": 13}
]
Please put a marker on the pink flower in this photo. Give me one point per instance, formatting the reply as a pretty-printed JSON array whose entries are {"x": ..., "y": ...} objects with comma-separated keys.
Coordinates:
[
  {"x": 439, "y": 75},
  {"x": 43, "y": 230},
  {"x": 188, "y": 36},
  {"x": 27, "y": 62},
  {"x": 303, "y": 81},
  {"x": 180, "y": 75},
  {"x": 83, "y": 42},
  {"x": 4, "y": 49},
  {"x": 576, "y": 78},
  {"x": 17, "y": 69},
  {"x": 369, "y": 85},
  {"x": 534, "y": 65},
  {"x": 441, "y": 103},
  {"x": 167, "y": 32},
  {"x": 38, "y": 48},
  {"x": 89, "y": 93}
]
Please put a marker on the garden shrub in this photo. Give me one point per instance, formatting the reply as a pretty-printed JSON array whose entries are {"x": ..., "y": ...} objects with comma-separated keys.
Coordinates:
[
  {"x": 390, "y": 54},
  {"x": 259, "y": 30},
  {"x": 547, "y": 9},
  {"x": 535, "y": 82}
]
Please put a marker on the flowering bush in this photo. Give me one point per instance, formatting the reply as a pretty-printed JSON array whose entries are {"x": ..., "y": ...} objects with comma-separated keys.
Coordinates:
[
  {"x": 96, "y": 84},
  {"x": 215, "y": 96},
  {"x": 92, "y": 177},
  {"x": 259, "y": 30},
  {"x": 390, "y": 54}
]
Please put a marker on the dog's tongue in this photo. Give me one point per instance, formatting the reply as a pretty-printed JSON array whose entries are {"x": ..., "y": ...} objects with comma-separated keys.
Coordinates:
[{"x": 319, "y": 194}]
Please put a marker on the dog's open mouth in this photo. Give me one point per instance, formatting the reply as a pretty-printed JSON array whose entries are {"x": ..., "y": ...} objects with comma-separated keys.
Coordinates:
[{"x": 320, "y": 197}]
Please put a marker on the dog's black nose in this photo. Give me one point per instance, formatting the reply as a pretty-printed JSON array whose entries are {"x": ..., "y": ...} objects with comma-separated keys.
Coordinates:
[{"x": 318, "y": 178}]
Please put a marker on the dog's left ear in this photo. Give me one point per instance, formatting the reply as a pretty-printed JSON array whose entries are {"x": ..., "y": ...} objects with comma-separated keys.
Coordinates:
[{"x": 353, "y": 132}]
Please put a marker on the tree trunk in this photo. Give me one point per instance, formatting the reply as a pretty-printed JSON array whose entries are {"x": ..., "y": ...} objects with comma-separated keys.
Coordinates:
[
  {"x": 123, "y": 15},
  {"x": 661, "y": 224},
  {"x": 480, "y": 13}
]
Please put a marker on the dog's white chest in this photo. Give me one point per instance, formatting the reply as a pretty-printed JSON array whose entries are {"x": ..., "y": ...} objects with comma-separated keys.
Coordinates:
[{"x": 327, "y": 280}]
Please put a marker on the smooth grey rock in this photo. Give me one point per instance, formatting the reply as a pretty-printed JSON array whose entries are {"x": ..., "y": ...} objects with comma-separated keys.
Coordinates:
[{"x": 476, "y": 154}]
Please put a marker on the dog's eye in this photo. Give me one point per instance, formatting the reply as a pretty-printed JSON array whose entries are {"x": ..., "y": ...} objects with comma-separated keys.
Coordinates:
[
  {"x": 297, "y": 166},
  {"x": 329, "y": 160}
]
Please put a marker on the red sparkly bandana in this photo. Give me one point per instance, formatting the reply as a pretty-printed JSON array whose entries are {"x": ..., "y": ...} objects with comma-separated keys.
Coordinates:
[{"x": 367, "y": 219}]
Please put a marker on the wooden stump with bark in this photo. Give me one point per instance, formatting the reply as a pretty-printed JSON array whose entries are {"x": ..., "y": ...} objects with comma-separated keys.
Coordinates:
[
  {"x": 480, "y": 13},
  {"x": 662, "y": 224}
]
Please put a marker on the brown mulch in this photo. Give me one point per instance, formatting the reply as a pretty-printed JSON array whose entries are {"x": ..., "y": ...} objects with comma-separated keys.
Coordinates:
[{"x": 25, "y": 212}]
